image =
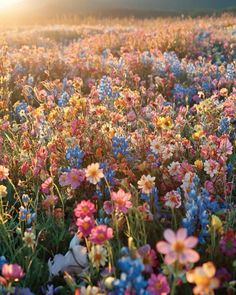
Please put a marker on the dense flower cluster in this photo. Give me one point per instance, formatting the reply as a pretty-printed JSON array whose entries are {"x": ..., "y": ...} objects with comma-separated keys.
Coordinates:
[{"x": 111, "y": 138}]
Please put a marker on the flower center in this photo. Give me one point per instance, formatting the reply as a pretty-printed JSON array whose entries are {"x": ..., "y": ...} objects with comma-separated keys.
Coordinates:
[{"x": 178, "y": 246}]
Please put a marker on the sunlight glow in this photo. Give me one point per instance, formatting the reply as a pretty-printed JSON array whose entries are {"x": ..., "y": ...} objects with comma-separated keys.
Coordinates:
[{"x": 7, "y": 4}]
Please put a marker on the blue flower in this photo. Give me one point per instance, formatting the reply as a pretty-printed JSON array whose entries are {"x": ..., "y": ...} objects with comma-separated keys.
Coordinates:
[
  {"x": 104, "y": 88},
  {"x": 75, "y": 156},
  {"x": 119, "y": 146}
]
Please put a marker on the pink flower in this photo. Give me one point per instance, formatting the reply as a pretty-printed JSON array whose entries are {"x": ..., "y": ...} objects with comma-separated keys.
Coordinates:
[
  {"x": 46, "y": 185},
  {"x": 100, "y": 234},
  {"x": 121, "y": 200},
  {"x": 211, "y": 167},
  {"x": 172, "y": 199},
  {"x": 158, "y": 285},
  {"x": 12, "y": 272},
  {"x": 107, "y": 206},
  {"x": 75, "y": 177},
  {"x": 149, "y": 258},
  {"x": 85, "y": 225},
  {"x": 63, "y": 179},
  {"x": 178, "y": 247},
  {"x": 83, "y": 209}
]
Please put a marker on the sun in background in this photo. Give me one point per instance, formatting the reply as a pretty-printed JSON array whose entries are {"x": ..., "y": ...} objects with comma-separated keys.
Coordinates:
[{"x": 7, "y": 4}]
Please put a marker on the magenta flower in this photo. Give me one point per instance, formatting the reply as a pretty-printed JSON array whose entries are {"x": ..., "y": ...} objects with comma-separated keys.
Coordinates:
[
  {"x": 75, "y": 177},
  {"x": 83, "y": 209},
  {"x": 149, "y": 258},
  {"x": 178, "y": 247},
  {"x": 228, "y": 243},
  {"x": 121, "y": 200},
  {"x": 100, "y": 234},
  {"x": 12, "y": 272},
  {"x": 85, "y": 225},
  {"x": 158, "y": 285}
]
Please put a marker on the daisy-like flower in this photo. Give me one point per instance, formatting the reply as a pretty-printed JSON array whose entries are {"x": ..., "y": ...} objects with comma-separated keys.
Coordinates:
[
  {"x": 178, "y": 247},
  {"x": 149, "y": 258},
  {"x": 83, "y": 209},
  {"x": 85, "y": 225},
  {"x": 93, "y": 173},
  {"x": 204, "y": 278},
  {"x": 29, "y": 239},
  {"x": 158, "y": 285},
  {"x": 75, "y": 177},
  {"x": 100, "y": 234},
  {"x": 121, "y": 200},
  {"x": 89, "y": 290},
  {"x": 155, "y": 146},
  {"x": 211, "y": 167},
  {"x": 4, "y": 172},
  {"x": 172, "y": 199},
  {"x": 174, "y": 168},
  {"x": 98, "y": 256},
  {"x": 146, "y": 183},
  {"x": 3, "y": 191}
]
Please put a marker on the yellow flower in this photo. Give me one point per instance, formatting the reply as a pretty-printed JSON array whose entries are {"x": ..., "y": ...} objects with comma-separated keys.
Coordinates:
[
  {"x": 93, "y": 173},
  {"x": 3, "y": 191},
  {"x": 204, "y": 278},
  {"x": 164, "y": 122},
  {"x": 216, "y": 223},
  {"x": 4, "y": 172},
  {"x": 224, "y": 92},
  {"x": 198, "y": 164},
  {"x": 197, "y": 135}
]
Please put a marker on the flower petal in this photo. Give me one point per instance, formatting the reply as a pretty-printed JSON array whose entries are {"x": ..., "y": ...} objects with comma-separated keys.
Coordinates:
[
  {"x": 163, "y": 247},
  {"x": 169, "y": 235},
  {"x": 191, "y": 255},
  {"x": 181, "y": 234},
  {"x": 191, "y": 242},
  {"x": 170, "y": 257}
]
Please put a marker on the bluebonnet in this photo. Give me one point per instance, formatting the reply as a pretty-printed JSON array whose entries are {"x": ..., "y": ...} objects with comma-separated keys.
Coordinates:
[
  {"x": 230, "y": 72},
  {"x": 190, "y": 69},
  {"x": 147, "y": 58},
  {"x": 223, "y": 126},
  {"x": 109, "y": 173},
  {"x": 50, "y": 290},
  {"x": 21, "y": 109},
  {"x": 206, "y": 86},
  {"x": 198, "y": 206},
  {"x": 131, "y": 277},
  {"x": 203, "y": 35},
  {"x": 119, "y": 146},
  {"x": 25, "y": 214},
  {"x": 63, "y": 99},
  {"x": 75, "y": 156},
  {"x": 174, "y": 63},
  {"x": 104, "y": 88}
]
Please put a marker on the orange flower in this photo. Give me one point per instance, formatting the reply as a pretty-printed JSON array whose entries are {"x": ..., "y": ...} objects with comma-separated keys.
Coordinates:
[
  {"x": 4, "y": 172},
  {"x": 94, "y": 173},
  {"x": 204, "y": 278}
]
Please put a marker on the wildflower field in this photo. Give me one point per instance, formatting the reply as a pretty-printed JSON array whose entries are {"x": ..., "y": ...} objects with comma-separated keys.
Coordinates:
[{"x": 117, "y": 157}]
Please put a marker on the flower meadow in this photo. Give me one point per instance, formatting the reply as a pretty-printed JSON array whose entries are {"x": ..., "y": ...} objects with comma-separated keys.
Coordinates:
[{"x": 118, "y": 153}]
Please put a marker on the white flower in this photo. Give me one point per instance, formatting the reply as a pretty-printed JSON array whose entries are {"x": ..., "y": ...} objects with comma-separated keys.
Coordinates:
[
  {"x": 146, "y": 183},
  {"x": 93, "y": 173}
]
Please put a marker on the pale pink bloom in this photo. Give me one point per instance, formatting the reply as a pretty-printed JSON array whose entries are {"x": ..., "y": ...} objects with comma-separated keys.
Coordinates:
[
  {"x": 225, "y": 145},
  {"x": 178, "y": 247},
  {"x": 63, "y": 179},
  {"x": 131, "y": 116},
  {"x": 146, "y": 183},
  {"x": 121, "y": 200},
  {"x": 211, "y": 167},
  {"x": 174, "y": 168},
  {"x": 75, "y": 177}
]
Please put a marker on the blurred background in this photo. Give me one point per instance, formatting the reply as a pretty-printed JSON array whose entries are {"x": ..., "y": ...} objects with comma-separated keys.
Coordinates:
[{"x": 22, "y": 10}]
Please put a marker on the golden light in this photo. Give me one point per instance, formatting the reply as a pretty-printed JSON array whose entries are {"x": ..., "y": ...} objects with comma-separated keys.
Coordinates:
[{"x": 8, "y": 4}]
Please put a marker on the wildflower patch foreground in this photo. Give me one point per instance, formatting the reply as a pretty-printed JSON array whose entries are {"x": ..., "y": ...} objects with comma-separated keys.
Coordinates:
[{"x": 117, "y": 167}]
